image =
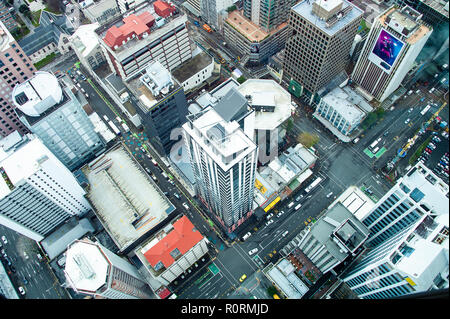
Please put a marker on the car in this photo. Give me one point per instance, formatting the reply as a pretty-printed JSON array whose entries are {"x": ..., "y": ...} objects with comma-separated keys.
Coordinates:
[
  {"x": 410, "y": 110},
  {"x": 269, "y": 216},
  {"x": 247, "y": 235},
  {"x": 298, "y": 198},
  {"x": 428, "y": 150},
  {"x": 356, "y": 140},
  {"x": 435, "y": 133},
  {"x": 432, "y": 90},
  {"x": 285, "y": 233},
  {"x": 176, "y": 195},
  {"x": 431, "y": 144},
  {"x": 329, "y": 194},
  {"x": 269, "y": 222},
  {"x": 185, "y": 206},
  {"x": 432, "y": 147},
  {"x": 39, "y": 256},
  {"x": 369, "y": 191},
  {"x": 5, "y": 241},
  {"x": 253, "y": 251},
  {"x": 407, "y": 121},
  {"x": 171, "y": 182},
  {"x": 243, "y": 277},
  {"x": 386, "y": 133},
  {"x": 25, "y": 280},
  {"x": 280, "y": 213},
  {"x": 21, "y": 290}
]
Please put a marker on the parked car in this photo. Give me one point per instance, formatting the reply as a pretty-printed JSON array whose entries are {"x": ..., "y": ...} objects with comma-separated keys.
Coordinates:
[
  {"x": 21, "y": 290},
  {"x": 280, "y": 213},
  {"x": 269, "y": 216},
  {"x": 253, "y": 251},
  {"x": 5, "y": 241},
  {"x": 185, "y": 206},
  {"x": 407, "y": 121},
  {"x": 243, "y": 277},
  {"x": 269, "y": 222}
]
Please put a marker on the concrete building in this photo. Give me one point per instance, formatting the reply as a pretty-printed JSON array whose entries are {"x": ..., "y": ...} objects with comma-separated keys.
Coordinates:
[
  {"x": 51, "y": 36},
  {"x": 434, "y": 12},
  {"x": 356, "y": 201},
  {"x": 170, "y": 252},
  {"x": 162, "y": 106},
  {"x": 125, "y": 5},
  {"x": 414, "y": 260},
  {"x": 193, "y": 6},
  {"x": 337, "y": 235},
  {"x": 395, "y": 40},
  {"x": 223, "y": 160},
  {"x": 213, "y": 12},
  {"x": 418, "y": 194},
  {"x": 194, "y": 72},
  {"x": 94, "y": 270},
  {"x": 101, "y": 11},
  {"x": 37, "y": 192},
  {"x": 141, "y": 36},
  {"x": 252, "y": 42},
  {"x": 6, "y": 17},
  {"x": 268, "y": 14},
  {"x": 87, "y": 47},
  {"x": 15, "y": 67},
  {"x": 319, "y": 43},
  {"x": 128, "y": 203},
  {"x": 341, "y": 111},
  {"x": 51, "y": 110}
]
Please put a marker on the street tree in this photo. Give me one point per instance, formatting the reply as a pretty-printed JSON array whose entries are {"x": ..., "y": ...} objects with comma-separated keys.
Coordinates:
[{"x": 308, "y": 139}]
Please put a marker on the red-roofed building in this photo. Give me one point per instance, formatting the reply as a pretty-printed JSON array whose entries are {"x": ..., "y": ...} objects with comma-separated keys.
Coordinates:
[
  {"x": 169, "y": 253},
  {"x": 133, "y": 26},
  {"x": 163, "y": 9}
]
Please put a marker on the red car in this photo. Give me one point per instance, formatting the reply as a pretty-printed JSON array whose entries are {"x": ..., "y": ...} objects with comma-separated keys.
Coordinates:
[{"x": 428, "y": 150}]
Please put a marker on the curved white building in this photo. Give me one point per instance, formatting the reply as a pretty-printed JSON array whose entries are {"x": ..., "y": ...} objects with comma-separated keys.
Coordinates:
[{"x": 51, "y": 110}]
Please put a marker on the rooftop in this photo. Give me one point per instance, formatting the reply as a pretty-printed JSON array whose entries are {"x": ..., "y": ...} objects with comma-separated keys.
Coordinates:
[
  {"x": 268, "y": 93},
  {"x": 347, "y": 104},
  {"x": 127, "y": 202},
  {"x": 85, "y": 39},
  {"x": 247, "y": 28},
  {"x": 5, "y": 37},
  {"x": 337, "y": 22},
  {"x": 167, "y": 246},
  {"x": 284, "y": 276},
  {"x": 192, "y": 66},
  {"x": 437, "y": 5},
  {"x": 356, "y": 201}
]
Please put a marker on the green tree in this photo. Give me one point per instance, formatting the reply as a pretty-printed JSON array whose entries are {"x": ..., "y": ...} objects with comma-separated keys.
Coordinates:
[
  {"x": 241, "y": 79},
  {"x": 24, "y": 8},
  {"x": 308, "y": 139},
  {"x": 289, "y": 125}
]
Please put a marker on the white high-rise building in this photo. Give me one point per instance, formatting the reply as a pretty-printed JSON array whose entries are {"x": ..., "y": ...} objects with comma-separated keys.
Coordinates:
[
  {"x": 94, "y": 270},
  {"x": 418, "y": 194},
  {"x": 395, "y": 40},
  {"x": 415, "y": 260},
  {"x": 223, "y": 160},
  {"x": 51, "y": 111},
  {"x": 37, "y": 192}
]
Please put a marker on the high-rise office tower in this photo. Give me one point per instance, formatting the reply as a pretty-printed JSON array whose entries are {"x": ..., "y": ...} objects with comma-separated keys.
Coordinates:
[
  {"x": 6, "y": 16},
  {"x": 318, "y": 48},
  {"x": 418, "y": 194},
  {"x": 223, "y": 159},
  {"x": 51, "y": 111},
  {"x": 15, "y": 67},
  {"x": 163, "y": 106},
  {"x": 211, "y": 9},
  {"x": 268, "y": 14},
  {"x": 395, "y": 40},
  {"x": 414, "y": 260},
  {"x": 94, "y": 270},
  {"x": 37, "y": 192}
]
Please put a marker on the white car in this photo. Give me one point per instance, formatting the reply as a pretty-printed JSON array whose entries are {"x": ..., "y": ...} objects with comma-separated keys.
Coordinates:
[
  {"x": 25, "y": 255},
  {"x": 253, "y": 251},
  {"x": 269, "y": 222},
  {"x": 4, "y": 239},
  {"x": 407, "y": 121},
  {"x": 21, "y": 290},
  {"x": 329, "y": 194},
  {"x": 185, "y": 206},
  {"x": 280, "y": 213},
  {"x": 269, "y": 216}
]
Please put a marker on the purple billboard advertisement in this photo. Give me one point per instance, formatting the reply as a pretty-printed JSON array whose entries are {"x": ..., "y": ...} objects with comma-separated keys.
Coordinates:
[{"x": 386, "y": 50}]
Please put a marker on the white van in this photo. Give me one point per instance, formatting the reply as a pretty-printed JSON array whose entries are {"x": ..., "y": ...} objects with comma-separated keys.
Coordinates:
[
  {"x": 291, "y": 204},
  {"x": 298, "y": 206},
  {"x": 244, "y": 238},
  {"x": 285, "y": 233}
]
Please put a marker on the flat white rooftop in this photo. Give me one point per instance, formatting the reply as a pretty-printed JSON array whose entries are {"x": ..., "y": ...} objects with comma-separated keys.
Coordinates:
[
  {"x": 358, "y": 203},
  {"x": 268, "y": 93},
  {"x": 347, "y": 104},
  {"x": 127, "y": 201}
]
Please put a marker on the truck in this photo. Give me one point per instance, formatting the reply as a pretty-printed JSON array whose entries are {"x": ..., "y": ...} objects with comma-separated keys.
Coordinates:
[{"x": 207, "y": 28}]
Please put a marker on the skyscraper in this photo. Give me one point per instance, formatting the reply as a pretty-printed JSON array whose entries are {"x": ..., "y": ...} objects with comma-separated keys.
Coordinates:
[
  {"x": 418, "y": 194},
  {"x": 414, "y": 260},
  {"x": 94, "y": 270},
  {"x": 37, "y": 192},
  {"x": 211, "y": 9},
  {"x": 395, "y": 40},
  {"x": 51, "y": 110},
  {"x": 268, "y": 14},
  {"x": 318, "y": 48},
  {"x": 223, "y": 160},
  {"x": 15, "y": 67}
]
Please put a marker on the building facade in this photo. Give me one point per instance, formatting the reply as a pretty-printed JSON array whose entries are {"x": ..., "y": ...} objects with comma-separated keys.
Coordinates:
[
  {"x": 223, "y": 160},
  {"x": 318, "y": 46},
  {"x": 416, "y": 195},
  {"x": 6, "y": 16},
  {"x": 268, "y": 14},
  {"x": 414, "y": 260},
  {"x": 211, "y": 11},
  {"x": 94, "y": 270},
  {"x": 38, "y": 193},
  {"x": 50, "y": 110},
  {"x": 15, "y": 67},
  {"x": 102, "y": 11},
  {"x": 395, "y": 40}
]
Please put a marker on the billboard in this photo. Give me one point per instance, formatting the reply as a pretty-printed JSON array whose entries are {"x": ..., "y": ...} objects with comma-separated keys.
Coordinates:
[{"x": 386, "y": 50}]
